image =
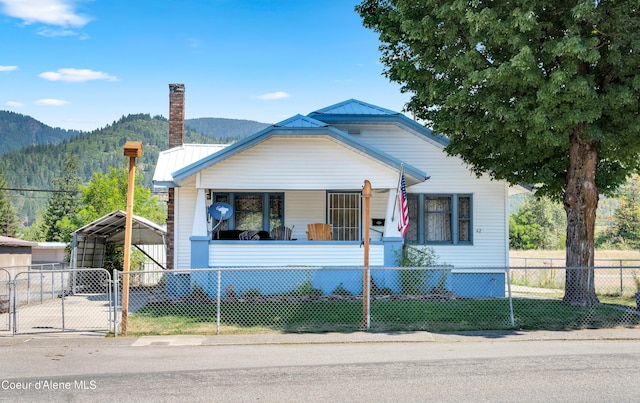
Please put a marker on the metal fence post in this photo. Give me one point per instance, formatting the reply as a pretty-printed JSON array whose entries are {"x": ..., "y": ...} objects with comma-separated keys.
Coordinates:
[
  {"x": 15, "y": 320},
  {"x": 116, "y": 281},
  {"x": 621, "y": 286},
  {"x": 28, "y": 284},
  {"x": 511, "y": 317},
  {"x": 218, "y": 306},
  {"x": 62, "y": 297}
]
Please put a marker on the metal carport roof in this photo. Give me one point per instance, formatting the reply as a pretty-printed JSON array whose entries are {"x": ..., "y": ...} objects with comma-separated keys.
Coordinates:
[
  {"x": 111, "y": 227},
  {"x": 89, "y": 241}
]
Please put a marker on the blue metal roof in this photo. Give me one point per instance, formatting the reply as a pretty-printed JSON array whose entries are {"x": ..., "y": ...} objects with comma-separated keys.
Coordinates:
[
  {"x": 300, "y": 121},
  {"x": 354, "y": 111},
  {"x": 354, "y": 107}
]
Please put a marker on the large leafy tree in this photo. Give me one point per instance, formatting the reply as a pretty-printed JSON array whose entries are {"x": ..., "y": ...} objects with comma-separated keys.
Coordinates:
[
  {"x": 107, "y": 192},
  {"x": 538, "y": 224},
  {"x": 528, "y": 91}
]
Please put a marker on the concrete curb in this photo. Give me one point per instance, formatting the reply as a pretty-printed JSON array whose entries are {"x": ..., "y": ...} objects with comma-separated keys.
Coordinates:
[{"x": 327, "y": 338}]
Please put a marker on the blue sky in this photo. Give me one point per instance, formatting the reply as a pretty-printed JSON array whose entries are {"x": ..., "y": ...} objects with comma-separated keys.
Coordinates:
[{"x": 82, "y": 64}]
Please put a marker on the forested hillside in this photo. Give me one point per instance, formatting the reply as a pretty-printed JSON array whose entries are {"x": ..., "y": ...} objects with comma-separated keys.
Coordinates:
[
  {"x": 35, "y": 167},
  {"x": 224, "y": 130},
  {"x": 18, "y": 131}
]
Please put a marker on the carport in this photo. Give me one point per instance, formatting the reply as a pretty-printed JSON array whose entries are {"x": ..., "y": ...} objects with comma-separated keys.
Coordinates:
[{"x": 90, "y": 242}]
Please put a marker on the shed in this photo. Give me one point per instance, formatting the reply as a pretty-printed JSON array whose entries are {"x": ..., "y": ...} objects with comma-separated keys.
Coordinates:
[
  {"x": 48, "y": 253},
  {"x": 15, "y": 252}
]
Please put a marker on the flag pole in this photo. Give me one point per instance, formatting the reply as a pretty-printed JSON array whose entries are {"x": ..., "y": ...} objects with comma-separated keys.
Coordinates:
[{"x": 395, "y": 203}]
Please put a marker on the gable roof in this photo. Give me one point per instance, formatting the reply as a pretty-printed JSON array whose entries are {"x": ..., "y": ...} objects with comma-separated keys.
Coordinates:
[
  {"x": 301, "y": 127},
  {"x": 299, "y": 121},
  {"x": 179, "y": 157},
  {"x": 354, "y": 107},
  {"x": 355, "y": 111}
]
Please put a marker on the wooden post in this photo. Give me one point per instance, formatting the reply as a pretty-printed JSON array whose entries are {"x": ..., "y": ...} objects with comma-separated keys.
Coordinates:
[
  {"x": 366, "y": 194},
  {"x": 132, "y": 149}
]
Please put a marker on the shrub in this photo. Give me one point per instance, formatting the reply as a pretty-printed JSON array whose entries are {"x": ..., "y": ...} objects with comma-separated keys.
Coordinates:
[
  {"x": 414, "y": 282},
  {"x": 341, "y": 290}
]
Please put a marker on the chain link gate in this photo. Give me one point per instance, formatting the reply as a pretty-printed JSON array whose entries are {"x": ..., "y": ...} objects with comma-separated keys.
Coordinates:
[
  {"x": 5, "y": 300},
  {"x": 62, "y": 301}
]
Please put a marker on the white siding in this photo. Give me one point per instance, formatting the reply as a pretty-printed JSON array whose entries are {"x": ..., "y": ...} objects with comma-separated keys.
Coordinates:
[
  {"x": 302, "y": 208},
  {"x": 450, "y": 175},
  {"x": 185, "y": 207},
  {"x": 379, "y": 201},
  {"x": 299, "y": 164},
  {"x": 269, "y": 253},
  {"x": 305, "y": 168}
]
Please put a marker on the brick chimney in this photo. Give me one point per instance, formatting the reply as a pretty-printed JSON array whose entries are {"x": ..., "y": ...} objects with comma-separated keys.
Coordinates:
[
  {"x": 176, "y": 138},
  {"x": 176, "y": 115}
]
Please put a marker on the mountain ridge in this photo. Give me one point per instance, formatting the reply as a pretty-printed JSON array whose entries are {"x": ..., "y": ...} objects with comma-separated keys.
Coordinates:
[{"x": 35, "y": 165}]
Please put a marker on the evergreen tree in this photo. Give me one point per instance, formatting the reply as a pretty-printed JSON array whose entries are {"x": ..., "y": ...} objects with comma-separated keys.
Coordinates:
[
  {"x": 59, "y": 217},
  {"x": 8, "y": 221}
]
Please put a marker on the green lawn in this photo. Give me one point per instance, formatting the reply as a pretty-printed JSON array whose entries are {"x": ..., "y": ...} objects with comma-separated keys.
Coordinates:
[{"x": 347, "y": 316}]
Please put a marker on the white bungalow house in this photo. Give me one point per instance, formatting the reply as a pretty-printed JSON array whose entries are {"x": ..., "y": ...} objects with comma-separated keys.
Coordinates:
[{"x": 311, "y": 169}]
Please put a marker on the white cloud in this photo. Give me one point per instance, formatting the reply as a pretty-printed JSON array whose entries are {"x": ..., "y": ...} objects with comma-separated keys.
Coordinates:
[
  {"x": 51, "y": 12},
  {"x": 76, "y": 75},
  {"x": 8, "y": 68},
  {"x": 50, "y": 102},
  {"x": 274, "y": 95},
  {"x": 14, "y": 104},
  {"x": 56, "y": 32}
]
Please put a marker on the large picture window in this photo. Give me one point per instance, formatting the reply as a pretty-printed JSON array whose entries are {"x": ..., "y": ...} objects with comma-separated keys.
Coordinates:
[
  {"x": 437, "y": 219},
  {"x": 344, "y": 215},
  {"x": 253, "y": 211}
]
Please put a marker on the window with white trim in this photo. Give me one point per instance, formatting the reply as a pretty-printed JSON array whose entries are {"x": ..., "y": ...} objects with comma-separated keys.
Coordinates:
[{"x": 440, "y": 219}]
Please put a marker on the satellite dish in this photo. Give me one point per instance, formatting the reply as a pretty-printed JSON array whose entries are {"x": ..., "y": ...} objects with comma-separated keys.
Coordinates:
[{"x": 220, "y": 211}]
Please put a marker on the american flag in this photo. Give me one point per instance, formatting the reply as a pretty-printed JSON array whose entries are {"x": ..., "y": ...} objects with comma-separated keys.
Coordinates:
[{"x": 403, "y": 205}]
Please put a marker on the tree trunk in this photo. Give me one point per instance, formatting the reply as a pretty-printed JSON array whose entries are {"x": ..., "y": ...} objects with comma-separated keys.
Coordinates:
[{"x": 580, "y": 203}]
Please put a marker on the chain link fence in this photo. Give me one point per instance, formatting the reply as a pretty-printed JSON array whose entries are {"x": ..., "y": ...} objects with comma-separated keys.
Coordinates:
[
  {"x": 263, "y": 300},
  {"x": 5, "y": 298},
  {"x": 62, "y": 300}
]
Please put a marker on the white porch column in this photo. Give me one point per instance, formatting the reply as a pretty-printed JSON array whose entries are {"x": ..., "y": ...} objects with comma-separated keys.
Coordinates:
[{"x": 391, "y": 226}]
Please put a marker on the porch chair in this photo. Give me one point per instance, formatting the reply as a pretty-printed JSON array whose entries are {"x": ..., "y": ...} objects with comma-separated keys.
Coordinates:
[
  {"x": 281, "y": 233},
  {"x": 249, "y": 235},
  {"x": 319, "y": 232}
]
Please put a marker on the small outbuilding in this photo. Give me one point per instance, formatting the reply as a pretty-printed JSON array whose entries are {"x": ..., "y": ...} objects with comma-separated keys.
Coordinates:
[{"x": 15, "y": 252}]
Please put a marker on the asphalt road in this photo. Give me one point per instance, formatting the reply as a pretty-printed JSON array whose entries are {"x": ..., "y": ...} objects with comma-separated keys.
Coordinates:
[{"x": 390, "y": 368}]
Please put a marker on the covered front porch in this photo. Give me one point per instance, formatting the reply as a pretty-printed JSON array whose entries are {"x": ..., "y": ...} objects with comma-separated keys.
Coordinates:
[{"x": 297, "y": 209}]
